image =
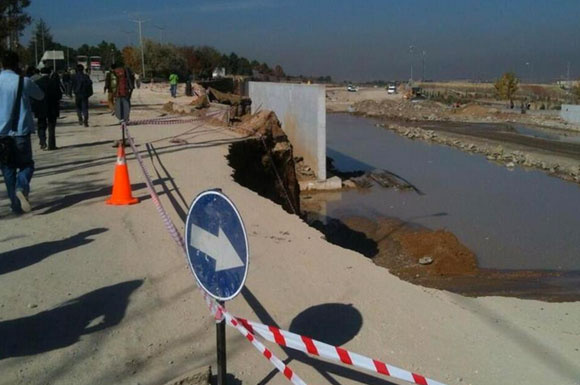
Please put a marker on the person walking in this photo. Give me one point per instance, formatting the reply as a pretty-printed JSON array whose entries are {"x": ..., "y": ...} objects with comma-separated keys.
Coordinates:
[
  {"x": 110, "y": 85},
  {"x": 173, "y": 79},
  {"x": 82, "y": 87},
  {"x": 137, "y": 81},
  {"x": 124, "y": 85},
  {"x": 48, "y": 109},
  {"x": 16, "y": 126}
]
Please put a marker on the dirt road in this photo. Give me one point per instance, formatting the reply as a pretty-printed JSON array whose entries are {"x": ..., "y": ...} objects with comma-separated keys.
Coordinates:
[{"x": 95, "y": 294}]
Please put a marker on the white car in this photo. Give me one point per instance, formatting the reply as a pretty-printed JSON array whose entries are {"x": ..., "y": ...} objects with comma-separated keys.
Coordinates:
[
  {"x": 391, "y": 90},
  {"x": 351, "y": 88}
]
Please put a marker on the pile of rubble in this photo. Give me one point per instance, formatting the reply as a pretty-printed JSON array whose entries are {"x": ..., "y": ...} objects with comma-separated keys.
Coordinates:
[{"x": 230, "y": 105}]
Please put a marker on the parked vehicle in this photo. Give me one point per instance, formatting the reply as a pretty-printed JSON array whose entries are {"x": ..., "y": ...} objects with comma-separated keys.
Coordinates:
[
  {"x": 352, "y": 88},
  {"x": 391, "y": 89}
]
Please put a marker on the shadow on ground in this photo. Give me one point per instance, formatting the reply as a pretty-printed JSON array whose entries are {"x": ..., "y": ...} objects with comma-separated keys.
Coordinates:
[
  {"x": 64, "y": 325},
  {"x": 26, "y": 256},
  {"x": 338, "y": 233},
  {"x": 343, "y": 323}
]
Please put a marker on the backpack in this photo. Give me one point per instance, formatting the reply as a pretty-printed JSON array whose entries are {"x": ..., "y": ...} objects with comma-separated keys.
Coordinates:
[
  {"x": 83, "y": 85},
  {"x": 112, "y": 83}
]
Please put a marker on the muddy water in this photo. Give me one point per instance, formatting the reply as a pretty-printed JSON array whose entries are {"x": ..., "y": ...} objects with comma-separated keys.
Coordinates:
[{"x": 511, "y": 219}]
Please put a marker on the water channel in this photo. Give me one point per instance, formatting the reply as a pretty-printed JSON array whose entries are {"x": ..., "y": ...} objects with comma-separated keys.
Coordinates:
[{"x": 512, "y": 219}]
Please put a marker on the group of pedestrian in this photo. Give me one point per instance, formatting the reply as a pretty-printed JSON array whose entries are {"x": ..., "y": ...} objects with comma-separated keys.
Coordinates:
[
  {"x": 119, "y": 85},
  {"x": 38, "y": 94}
]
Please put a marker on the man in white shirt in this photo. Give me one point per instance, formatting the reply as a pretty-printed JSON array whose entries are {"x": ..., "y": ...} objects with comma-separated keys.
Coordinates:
[{"x": 17, "y": 123}]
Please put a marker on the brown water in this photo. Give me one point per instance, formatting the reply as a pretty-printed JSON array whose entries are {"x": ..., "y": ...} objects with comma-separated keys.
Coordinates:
[{"x": 511, "y": 219}]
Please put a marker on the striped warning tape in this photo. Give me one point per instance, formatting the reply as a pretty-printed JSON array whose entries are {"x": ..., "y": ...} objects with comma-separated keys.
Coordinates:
[
  {"x": 159, "y": 121},
  {"x": 335, "y": 353},
  {"x": 217, "y": 311},
  {"x": 220, "y": 313},
  {"x": 167, "y": 120},
  {"x": 271, "y": 333}
]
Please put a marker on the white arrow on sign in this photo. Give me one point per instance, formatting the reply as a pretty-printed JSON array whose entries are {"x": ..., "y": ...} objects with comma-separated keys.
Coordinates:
[{"x": 218, "y": 248}]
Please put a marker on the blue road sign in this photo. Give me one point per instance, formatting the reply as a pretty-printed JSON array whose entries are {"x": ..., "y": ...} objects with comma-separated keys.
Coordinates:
[{"x": 217, "y": 245}]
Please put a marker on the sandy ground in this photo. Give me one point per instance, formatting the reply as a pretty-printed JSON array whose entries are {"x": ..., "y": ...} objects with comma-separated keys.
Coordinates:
[{"x": 94, "y": 294}]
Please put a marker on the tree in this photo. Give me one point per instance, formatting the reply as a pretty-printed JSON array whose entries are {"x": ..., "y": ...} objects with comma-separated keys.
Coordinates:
[
  {"x": 507, "y": 86},
  {"x": 244, "y": 67},
  {"x": 132, "y": 58},
  {"x": 42, "y": 36},
  {"x": 163, "y": 59},
  {"x": 13, "y": 20},
  {"x": 279, "y": 72}
]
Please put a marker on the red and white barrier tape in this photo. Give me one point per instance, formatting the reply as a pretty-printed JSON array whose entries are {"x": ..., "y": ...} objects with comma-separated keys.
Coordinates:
[
  {"x": 217, "y": 311},
  {"x": 271, "y": 333},
  {"x": 335, "y": 353},
  {"x": 167, "y": 120},
  {"x": 159, "y": 121}
]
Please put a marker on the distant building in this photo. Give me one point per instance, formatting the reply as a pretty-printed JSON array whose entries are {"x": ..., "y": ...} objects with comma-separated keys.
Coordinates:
[{"x": 218, "y": 72}]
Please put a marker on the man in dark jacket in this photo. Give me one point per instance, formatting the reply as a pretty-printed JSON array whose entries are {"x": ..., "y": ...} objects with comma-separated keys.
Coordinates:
[
  {"x": 47, "y": 110},
  {"x": 123, "y": 89},
  {"x": 82, "y": 87}
]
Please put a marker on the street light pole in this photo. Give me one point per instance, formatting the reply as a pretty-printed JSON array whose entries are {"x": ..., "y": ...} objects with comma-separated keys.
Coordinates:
[
  {"x": 140, "y": 22},
  {"x": 411, "y": 49},
  {"x": 423, "y": 54}
]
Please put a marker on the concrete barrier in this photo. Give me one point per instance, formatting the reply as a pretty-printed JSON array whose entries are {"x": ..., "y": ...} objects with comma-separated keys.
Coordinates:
[
  {"x": 570, "y": 113},
  {"x": 301, "y": 109}
]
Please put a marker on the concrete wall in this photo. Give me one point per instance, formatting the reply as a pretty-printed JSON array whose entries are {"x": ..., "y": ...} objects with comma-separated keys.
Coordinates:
[
  {"x": 570, "y": 113},
  {"x": 301, "y": 109}
]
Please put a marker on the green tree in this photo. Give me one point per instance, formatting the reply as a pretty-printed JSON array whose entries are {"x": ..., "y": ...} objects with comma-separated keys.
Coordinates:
[
  {"x": 13, "y": 20},
  {"x": 506, "y": 86},
  {"x": 42, "y": 37},
  {"x": 163, "y": 59},
  {"x": 244, "y": 67},
  {"x": 132, "y": 58},
  {"x": 209, "y": 58},
  {"x": 232, "y": 67},
  {"x": 279, "y": 72}
]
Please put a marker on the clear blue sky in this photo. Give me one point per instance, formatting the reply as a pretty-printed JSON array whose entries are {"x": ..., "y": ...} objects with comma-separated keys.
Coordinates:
[{"x": 347, "y": 39}]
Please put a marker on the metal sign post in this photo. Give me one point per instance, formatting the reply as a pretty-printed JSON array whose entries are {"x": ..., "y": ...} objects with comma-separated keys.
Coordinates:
[
  {"x": 218, "y": 255},
  {"x": 221, "y": 350}
]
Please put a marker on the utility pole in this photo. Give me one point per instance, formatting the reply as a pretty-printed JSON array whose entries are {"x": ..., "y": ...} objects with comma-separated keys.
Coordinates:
[
  {"x": 411, "y": 50},
  {"x": 423, "y": 54},
  {"x": 140, "y": 22}
]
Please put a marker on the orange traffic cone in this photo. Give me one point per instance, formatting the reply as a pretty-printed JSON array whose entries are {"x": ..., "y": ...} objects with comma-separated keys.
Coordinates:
[{"x": 121, "y": 185}]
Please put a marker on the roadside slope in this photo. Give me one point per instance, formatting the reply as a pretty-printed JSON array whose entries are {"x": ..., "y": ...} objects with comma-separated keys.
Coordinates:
[{"x": 100, "y": 295}]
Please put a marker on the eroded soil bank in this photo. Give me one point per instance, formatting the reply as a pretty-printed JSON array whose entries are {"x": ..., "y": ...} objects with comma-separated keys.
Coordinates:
[
  {"x": 489, "y": 230},
  {"x": 437, "y": 259}
]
